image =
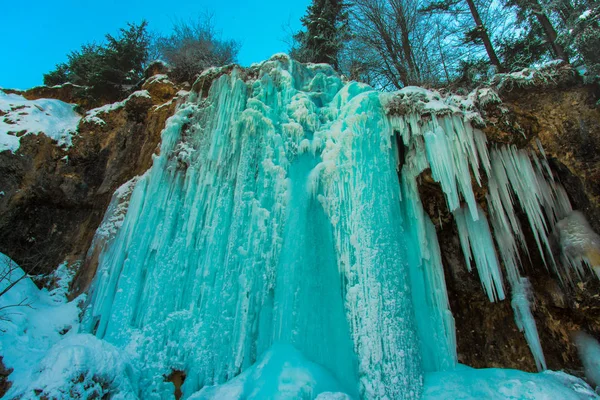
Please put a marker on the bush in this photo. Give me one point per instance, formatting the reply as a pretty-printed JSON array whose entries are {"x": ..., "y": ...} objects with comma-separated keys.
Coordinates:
[
  {"x": 111, "y": 69},
  {"x": 584, "y": 36},
  {"x": 194, "y": 46}
]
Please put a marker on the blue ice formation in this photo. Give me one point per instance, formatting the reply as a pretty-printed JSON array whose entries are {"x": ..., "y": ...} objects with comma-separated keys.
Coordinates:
[{"x": 283, "y": 212}]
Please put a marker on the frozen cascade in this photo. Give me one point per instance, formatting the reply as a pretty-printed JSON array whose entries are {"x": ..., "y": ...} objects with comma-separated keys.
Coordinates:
[
  {"x": 275, "y": 216},
  {"x": 227, "y": 248}
]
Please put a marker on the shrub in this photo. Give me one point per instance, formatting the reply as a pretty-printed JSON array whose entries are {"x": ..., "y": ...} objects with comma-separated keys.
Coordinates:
[
  {"x": 194, "y": 46},
  {"x": 111, "y": 69}
]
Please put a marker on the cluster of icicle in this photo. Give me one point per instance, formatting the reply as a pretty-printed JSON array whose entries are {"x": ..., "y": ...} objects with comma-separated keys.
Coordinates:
[
  {"x": 274, "y": 214},
  {"x": 457, "y": 154}
]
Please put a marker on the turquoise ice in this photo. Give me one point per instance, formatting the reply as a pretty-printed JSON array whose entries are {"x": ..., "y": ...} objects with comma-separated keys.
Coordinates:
[{"x": 282, "y": 216}]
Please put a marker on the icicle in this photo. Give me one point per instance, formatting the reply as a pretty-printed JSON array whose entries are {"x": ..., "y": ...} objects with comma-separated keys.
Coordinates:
[
  {"x": 543, "y": 200},
  {"x": 525, "y": 322},
  {"x": 477, "y": 244}
]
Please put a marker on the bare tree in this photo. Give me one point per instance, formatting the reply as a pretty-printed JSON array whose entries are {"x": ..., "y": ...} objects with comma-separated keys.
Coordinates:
[
  {"x": 194, "y": 46},
  {"x": 385, "y": 29},
  {"x": 10, "y": 276}
]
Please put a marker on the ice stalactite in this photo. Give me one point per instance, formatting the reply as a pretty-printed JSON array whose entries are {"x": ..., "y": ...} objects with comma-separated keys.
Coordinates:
[
  {"x": 275, "y": 221},
  {"x": 528, "y": 178},
  {"x": 478, "y": 245}
]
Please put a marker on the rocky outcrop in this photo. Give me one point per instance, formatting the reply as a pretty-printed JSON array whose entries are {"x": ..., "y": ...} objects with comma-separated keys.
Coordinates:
[
  {"x": 53, "y": 198},
  {"x": 562, "y": 114}
]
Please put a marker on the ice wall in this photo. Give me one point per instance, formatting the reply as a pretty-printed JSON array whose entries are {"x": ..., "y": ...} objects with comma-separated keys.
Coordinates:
[
  {"x": 272, "y": 215},
  {"x": 284, "y": 209}
]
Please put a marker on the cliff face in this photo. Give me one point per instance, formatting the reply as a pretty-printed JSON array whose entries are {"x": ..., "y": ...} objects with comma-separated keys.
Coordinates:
[
  {"x": 563, "y": 114},
  {"x": 54, "y": 200}
]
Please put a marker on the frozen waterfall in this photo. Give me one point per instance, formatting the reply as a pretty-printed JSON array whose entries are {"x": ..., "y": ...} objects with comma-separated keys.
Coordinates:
[{"x": 280, "y": 214}]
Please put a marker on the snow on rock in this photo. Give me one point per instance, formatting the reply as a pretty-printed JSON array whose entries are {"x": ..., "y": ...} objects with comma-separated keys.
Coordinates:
[
  {"x": 115, "y": 213},
  {"x": 19, "y": 116},
  {"x": 467, "y": 383},
  {"x": 83, "y": 366},
  {"x": 548, "y": 73},
  {"x": 163, "y": 78},
  {"x": 94, "y": 116},
  {"x": 282, "y": 373},
  {"x": 579, "y": 245}
]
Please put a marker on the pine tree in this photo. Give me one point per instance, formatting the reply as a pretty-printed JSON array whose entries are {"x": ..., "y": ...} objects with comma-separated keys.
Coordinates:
[
  {"x": 534, "y": 12},
  {"x": 326, "y": 31},
  {"x": 581, "y": 34},
  {"x": 110, "y": 69}
]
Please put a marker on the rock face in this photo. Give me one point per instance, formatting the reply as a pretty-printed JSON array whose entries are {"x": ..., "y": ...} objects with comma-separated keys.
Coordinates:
[
  {"x": 54, "y": 198},
  {"x": 564, "y": 116}
]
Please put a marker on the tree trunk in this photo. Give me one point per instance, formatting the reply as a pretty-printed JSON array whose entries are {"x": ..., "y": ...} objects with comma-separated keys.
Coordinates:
[
  {"x": 484, "y": 36},
  {"x": 549, "y": 30}
]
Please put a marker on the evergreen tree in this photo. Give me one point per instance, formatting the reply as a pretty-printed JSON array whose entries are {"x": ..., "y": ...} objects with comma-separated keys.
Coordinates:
[
  {"x": 326, "y": 31},
  {"x": 110, "y": 70},
  {"x": 523, "y": 50},
  {"x": 582, "y": 36},
  {"x": 535, "y": 13}
]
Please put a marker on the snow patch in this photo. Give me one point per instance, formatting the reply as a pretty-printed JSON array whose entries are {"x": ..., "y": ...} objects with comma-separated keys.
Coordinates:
[
  {"x": 19, "y": 116},
  {"x": 94, "y": 115},
  {"x": 502, "y": 384}
]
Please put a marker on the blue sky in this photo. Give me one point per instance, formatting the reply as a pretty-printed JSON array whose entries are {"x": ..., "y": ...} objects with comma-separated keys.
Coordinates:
[{"x": 38, "y": 34}]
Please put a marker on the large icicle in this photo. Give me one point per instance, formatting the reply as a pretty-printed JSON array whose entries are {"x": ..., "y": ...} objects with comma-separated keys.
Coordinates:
[
  {"x": 544, "y": 201},
  {"x": 478, "y": 245},
  {"x": 435, "y": 322}
]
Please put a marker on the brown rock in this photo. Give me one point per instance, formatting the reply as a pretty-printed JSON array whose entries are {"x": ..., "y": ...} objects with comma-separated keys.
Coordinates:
[{"x": 54, "y": 199}]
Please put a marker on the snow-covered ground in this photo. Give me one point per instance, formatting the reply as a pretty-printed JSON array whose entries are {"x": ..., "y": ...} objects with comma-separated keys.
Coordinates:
[
  {"x": 56, "y": 119},
  {"x": 95, "y": 114},
  {"x": 39, "y": 341}
]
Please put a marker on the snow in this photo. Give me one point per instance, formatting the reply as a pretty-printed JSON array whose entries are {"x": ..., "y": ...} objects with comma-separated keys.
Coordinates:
[
  {"x": 94, "y": 116},
  {"x": 83, "y": 366},
  {"x": 115, "y": 213},
  {"x": 30, "y": 330},
  {"x": 162, "y": 78},
  {"x": 18, "y": 116},
  {"x": 41, "y": 344},
  {"x": 585, "y": 14},
  {"x": 502, "y": 384}
]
